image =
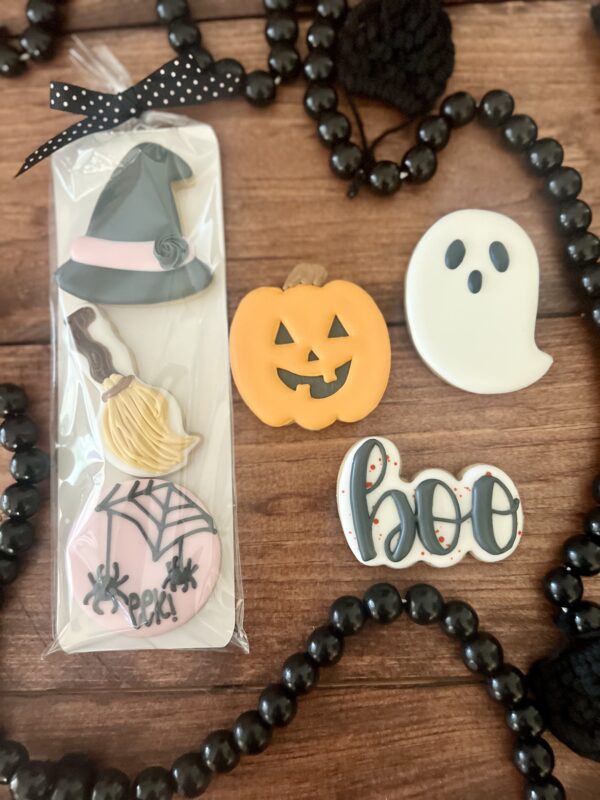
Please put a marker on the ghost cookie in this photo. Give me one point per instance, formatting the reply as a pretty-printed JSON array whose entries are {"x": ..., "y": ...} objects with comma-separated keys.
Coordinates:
[
  {"x": 471, "y": 303},
  {"x": 435, "y": 517},
  {"x": 145, "y": 559},
  {"x": 310, "y": 353}
]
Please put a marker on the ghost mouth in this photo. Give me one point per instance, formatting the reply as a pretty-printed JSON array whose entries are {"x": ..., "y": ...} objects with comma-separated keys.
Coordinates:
[{"x": 319, "y": 389}]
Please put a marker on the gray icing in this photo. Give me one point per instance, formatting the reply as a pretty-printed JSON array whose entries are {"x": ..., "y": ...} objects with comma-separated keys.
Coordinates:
[
  {"x": 499, "y": 256},
  {"x": 319, "y": 388},
  {"x": 455, "y": 254},
  {"x": 483, "y": 514},
  {"x": 475, "y": 281},
  {"x": 283, "y": 335},
  {"x": 337, "y": 330},
  {"x": 426, "y": 521},
  {"x": 137, "y": 205}
]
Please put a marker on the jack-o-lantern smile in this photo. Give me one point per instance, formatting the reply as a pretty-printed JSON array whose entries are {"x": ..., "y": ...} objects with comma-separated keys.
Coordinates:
[{"x": 310, "y": 353}]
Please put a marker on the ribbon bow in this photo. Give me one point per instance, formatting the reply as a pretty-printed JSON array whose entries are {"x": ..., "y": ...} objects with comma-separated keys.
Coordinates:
[{"x": 180, "y": 82}]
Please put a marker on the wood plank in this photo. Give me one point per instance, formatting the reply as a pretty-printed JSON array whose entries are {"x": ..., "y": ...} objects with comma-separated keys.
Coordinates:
[
  {"x": 81, "y": 15},
  {"x": 354, "y": 744},
  {"x": 285, "y": 189},
  {"x": 294, "y": 558}
]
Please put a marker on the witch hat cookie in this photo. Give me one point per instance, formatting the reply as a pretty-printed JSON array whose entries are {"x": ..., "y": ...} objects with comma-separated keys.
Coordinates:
[{"x": 134, "y": 251}]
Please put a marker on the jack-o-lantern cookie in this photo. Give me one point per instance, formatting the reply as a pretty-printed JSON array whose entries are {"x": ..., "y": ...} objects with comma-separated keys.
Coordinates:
[{"x": 311, "y": 353}]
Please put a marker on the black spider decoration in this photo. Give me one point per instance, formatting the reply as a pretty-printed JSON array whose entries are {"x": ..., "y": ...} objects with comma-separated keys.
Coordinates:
[
  {"x": 105, "y": 587},
  {"x": 178, "y": 575}
]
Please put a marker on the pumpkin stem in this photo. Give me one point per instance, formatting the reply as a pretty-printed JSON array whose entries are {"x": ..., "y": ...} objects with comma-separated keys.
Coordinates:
[{"x": 306, "y": 274}]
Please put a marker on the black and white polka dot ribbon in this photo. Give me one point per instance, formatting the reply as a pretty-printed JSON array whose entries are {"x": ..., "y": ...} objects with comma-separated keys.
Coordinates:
[{"x": 180, "y": 82}]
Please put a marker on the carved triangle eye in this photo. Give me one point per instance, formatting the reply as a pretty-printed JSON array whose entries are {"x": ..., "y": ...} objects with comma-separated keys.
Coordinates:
[
  {"x": 283, "y": 335},
  {"x": 337, "y": 329}
]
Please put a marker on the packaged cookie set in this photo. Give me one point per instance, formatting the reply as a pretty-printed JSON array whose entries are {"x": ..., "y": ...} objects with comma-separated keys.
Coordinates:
[{"x": 144, "y": 495}]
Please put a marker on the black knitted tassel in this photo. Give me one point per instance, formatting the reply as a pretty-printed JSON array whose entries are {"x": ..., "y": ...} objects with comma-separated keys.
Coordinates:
[
  {"x": 567, "y": 689},
  {"x": 397, "y": 51}
]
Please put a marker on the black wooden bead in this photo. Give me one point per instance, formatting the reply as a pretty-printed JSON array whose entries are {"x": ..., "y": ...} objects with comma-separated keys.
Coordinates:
[
  {"x": 300, "y": 674},
  {"x": 519, "y": 132},
  {"x": 284, "y": 61},
  {"x": 495, "y": 108},
  {"x": 563, "y": 183},
  {"x": 544, "y": 156},
  {"x": 332, "y": 10},
  {"x": 583, "y": 249},
  {"x": 10, "y": 67},
  {"x": 42, "y": 12},
  {"x": 320, "y": 97},
  {"x": 220, "y": 752},
  {"x": 580, "y": 619},
  {"x": 346, "y": 158},
  {"x": 592, "y": 523},
  {"x": 281, "y": 29},
  {"x": 251, "y": 733},
  {"x": 595, "y": 315},
  {"x": 190, "y": 776},
  {"x": 183, "y": 33},
  {"x": 260, "y": 88},
  {"x": 325, "y": 645},
  {"x": 20, "y": 500},
  {"x": 347, "y": 615},
  {"x": 420, "y": 162},
  {"x": 37, "y": 42},
  {"x": 459, "y": 109},
  {"x": 574, "y": 216},
  {"x": 507, "y": 685},
  {"x": 229, "y": 67},
  {"x": 526, "y": 720},
  {"x": 74, "y": 778},
  {"x": 563, "y": 587},
  {"x": 168, "y": 10},
  {"x": 333, "y": 127},
  {"x": 18, "y": 432},
  {"x": 279, "y": 5},
  {"x": 549, "y": 789},
  {"x": 32, "y": 465},
  {"x": 534, "y": 758},
  {"x": 321, "y": 35},
  {"x": 383, "y": 602},
  {"x": 459, "y": 620},
  {"x": 111, "y": 784},
  {"x": 33, "y": 780},
  {"x": 16, "y": 536},
  {"x": 277, "y": 705},
  {"x": 582, "y": 555},
  {"x": 434, "y": 131},
  {"x": 201, "y": 56},
  {"x": 424, "y": 604},
  {"x": 318, "y": 66},
  {"x": 384, "y": 177},
  {"x": 483, "y": 654},
  {"x": 12, "y": 755},
  {"x": 13, "y": 399},
  {"x": 153, "y": 783},
  {"x": 9, "y": 569},
  {"x": 589, "y": 278}
]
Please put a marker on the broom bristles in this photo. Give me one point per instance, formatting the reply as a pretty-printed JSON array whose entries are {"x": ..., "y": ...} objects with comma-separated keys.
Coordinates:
[{"x": 135, "y": 425}]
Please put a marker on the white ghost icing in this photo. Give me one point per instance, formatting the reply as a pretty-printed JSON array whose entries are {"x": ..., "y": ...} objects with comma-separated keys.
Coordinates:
[{"x": 480, "y": 341}]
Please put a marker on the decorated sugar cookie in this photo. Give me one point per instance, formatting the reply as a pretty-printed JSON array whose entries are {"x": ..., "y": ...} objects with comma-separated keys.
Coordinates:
[
  {"x": 145, "y": 559},
  {"x": 435, "y": 518},
  {"x": 471, "y": 303},
  {"x": 134, "y": 252},
  {"x": 142, "y": 428},
  {"x": 311, "y": 353}
]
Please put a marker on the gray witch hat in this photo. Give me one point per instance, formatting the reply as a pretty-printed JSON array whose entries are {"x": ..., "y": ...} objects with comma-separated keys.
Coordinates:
[{"x": 134, "y": 252}]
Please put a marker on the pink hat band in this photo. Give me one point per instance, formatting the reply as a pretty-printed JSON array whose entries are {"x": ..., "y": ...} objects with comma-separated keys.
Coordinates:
[{"x": 174, "y": 252}]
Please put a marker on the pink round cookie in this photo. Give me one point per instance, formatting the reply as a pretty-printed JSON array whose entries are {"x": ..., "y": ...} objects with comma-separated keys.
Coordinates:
[{"x": 146, "y": 558}]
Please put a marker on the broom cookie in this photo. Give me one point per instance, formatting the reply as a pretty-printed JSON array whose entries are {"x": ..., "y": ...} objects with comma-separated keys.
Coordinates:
[{"x": 142, "y": 426}]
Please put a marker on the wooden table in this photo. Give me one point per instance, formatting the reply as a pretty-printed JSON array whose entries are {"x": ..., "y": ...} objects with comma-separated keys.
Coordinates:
[{"x": 399, "y": 717}]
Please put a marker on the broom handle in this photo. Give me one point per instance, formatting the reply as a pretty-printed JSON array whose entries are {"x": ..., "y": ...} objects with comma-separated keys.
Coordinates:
[{"x": 97, "y": 355}]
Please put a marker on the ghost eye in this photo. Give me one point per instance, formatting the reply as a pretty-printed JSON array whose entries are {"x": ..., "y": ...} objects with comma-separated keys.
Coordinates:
[
  {"x": 337, "y": 329},
  {"x": 283, "y": 335},
  {"x": 455, "y": 254},
  {"x": 499, "y": 256}
]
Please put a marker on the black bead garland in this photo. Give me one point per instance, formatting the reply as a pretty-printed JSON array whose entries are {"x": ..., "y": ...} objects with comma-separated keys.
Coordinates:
[
  {"x": 277, "y": 705},
  {"x": 325, "y": 645},
  {"x": 191, "y": 777},
  {"x": 424, "y": 604},
  {"x": 300, "y": 674},
  {"x": 383, "y": 602},
  {"x": 153, "y": 783},
  {"x": 459, "y": 620},
  {"x": 519, "y": 132},
  {"x": 36, "y": 43},
  {"x": 12, "y": 755},
  {"x": 347, "y": 615},
  {"x": 220, "y": 752},
  {"x": 544, "y": 156},
  {"x": 495, "y": 108},
  {"x": 525, "y": 719},
  {"x": 483, "y": 653},
  {"x": 251, "y": 733},
  {"x": 507, "y": 685}
]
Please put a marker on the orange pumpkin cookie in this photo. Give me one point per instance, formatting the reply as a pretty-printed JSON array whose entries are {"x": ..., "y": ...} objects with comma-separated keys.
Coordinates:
[{"x": 310, "y": 353}]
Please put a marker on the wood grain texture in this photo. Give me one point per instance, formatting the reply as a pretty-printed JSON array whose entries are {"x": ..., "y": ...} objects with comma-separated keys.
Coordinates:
[{"x": 399, "y": 717}]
